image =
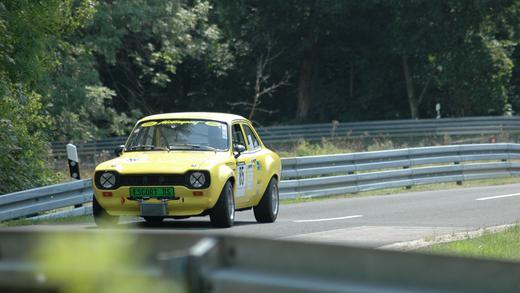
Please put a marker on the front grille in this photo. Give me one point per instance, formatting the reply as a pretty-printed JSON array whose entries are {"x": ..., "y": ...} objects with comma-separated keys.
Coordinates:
[{"x": 151, "y": 179}]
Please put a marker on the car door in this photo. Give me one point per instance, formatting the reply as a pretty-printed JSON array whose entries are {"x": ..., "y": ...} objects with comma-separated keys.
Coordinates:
[
  {"x": 245, "y": 184},
  {"x": 253, "y": 150}
]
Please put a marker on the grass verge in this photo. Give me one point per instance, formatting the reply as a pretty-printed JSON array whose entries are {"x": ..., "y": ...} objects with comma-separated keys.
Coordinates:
[
  {"x": 502, "y": 245},
  {"x": 27, "y": 222}
]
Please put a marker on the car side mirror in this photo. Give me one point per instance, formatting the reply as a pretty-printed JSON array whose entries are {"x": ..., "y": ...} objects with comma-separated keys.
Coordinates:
[
  {"x": 119, "y": 150},
  {"x": 238, "y": 149}
]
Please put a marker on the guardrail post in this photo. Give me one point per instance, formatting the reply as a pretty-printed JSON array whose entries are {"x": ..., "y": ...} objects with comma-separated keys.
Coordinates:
[
  {"x": 508, "y": 159},
  {"x": 188, "y": 269},
  {"x": 352, "y": 173},
  {"x": 355, "y": 169},
  {"x": 408, "y": 167},
  {"x": 335, "y": 124},
  {"x": 458, "y": 182},
  {"x": 408, "y": 186}
]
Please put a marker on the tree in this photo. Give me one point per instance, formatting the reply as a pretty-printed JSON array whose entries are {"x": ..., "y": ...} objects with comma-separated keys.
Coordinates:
[
  {"x": 263, "y": 86},
  {"x": 452, "y": 45},
  {"x": 139, "y": 46},
  {"x": 29, "y": 34},
  {"x": 22, "y": 139}
]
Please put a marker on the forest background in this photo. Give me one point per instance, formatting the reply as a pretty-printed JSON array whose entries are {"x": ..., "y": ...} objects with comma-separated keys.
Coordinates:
[{"x": 86, "y": 69}]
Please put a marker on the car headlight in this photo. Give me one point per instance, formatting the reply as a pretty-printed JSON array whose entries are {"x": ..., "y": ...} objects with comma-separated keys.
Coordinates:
[
  {"x": 197, "y": 179},
  {"x": 107, "y": 180}
]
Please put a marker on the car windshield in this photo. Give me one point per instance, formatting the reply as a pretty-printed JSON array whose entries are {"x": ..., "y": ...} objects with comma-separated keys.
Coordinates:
[{"x": 168, "y": 135}]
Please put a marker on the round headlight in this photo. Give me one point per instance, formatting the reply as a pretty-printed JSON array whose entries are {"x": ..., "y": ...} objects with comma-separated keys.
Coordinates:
[
  {"x": 107, "y": 180},
  {"x": 197, "y": 179}
]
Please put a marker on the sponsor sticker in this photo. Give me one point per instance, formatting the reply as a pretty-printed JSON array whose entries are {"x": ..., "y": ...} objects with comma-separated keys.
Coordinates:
[
  {"x": 181, "y": 122},
  {"x": 149, "y": 124},
  {"x": 213, "y": 123}
]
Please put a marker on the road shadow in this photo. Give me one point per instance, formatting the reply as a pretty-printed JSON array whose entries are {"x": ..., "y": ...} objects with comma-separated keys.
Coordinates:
[{"x": 171, "y": 224}]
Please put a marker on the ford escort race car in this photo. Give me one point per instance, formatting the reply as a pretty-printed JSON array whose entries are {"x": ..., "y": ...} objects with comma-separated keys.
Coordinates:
[{"x": 180, "y": 165}]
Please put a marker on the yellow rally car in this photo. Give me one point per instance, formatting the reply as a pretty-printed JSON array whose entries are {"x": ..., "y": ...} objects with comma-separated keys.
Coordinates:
[{"x": 180, "y": 165}]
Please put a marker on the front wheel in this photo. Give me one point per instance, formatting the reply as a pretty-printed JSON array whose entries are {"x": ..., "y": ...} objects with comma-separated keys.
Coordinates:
[
  {"x": 267, "y": 210},
  {"x": 101, "y": 217},
  {"x": 223, "y": 213}
]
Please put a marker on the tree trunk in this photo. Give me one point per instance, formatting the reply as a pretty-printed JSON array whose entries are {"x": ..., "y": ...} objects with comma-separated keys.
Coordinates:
[
  {"x": 304, "y": 85},
  {"x": 253, "y": 107},
  {"x": 412, "y": 99},
  {"x": 351, "y": 79}
]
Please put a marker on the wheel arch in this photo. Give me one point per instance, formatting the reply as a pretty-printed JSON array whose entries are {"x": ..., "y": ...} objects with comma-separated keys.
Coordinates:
[{"x": 232, "y": 180}]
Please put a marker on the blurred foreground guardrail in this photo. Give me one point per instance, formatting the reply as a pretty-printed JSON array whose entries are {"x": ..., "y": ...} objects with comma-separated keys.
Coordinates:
[
  {"x": 200, "y": 263},
  {"x": 471, "y": 126},
  {"x": 315, "y": 176}
]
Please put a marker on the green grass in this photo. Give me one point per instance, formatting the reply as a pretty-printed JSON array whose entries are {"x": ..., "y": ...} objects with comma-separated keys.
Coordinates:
[
  {"x": 503, "y": 245},
  {"x": 27, "y": 222}
]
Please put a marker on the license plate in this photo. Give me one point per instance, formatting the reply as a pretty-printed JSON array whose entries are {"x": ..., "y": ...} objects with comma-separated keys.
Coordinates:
[{"x": 151, "y": 192}]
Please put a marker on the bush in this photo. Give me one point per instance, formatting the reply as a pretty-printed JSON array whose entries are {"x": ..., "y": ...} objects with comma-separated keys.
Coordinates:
[
  {"x": 23, "y": 148},
  {"x": 324, "y": 147}
]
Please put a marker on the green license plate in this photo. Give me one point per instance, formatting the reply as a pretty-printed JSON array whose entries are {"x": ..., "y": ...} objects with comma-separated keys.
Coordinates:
[{"x": 151, "y": 192}]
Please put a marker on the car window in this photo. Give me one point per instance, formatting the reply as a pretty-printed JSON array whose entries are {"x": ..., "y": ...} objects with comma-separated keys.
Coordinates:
[
  {"x": 252, "y": 141},
  {"x": 140, "y": 136},
  {"x": 179, "y": 134},
  {"x": 238, "y": 135}
]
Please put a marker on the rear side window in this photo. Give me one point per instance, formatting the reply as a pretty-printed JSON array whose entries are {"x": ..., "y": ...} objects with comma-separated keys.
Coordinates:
[
  {"x": 238, "y": 136},
  {"x": 252, "y": 141}
]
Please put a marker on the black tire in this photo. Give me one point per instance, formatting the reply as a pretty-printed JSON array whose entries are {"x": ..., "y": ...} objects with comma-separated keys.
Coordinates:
[
  {"x": 180, "y": 217},
  {"x": 101, "y": 217},
  {"x": 223, "y": 213},
  {"x": 153, "y": 220},
  {"x": 267, "y": 210}
]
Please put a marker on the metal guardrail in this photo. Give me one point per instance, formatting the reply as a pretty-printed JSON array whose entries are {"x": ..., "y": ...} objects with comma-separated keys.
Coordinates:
[
  {"x": 201, "y": 263},
  {"x": 471, "y": 126},
  {"x": 49, "y": 198},
  {"x": 357, "y": 172},
  {"x": 315, "y": 176},
  {"x": 393, "y": 128}
]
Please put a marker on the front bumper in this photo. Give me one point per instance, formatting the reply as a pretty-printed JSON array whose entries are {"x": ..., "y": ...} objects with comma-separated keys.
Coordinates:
[{"x": 187, "y": 202}]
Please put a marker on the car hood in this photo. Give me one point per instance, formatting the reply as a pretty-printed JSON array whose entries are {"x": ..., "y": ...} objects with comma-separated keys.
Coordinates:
[{"x": 163, "y": 161}]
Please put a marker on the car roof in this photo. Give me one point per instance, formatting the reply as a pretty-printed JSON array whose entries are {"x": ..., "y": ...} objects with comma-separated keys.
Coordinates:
[{"x": 224, "y": 117}]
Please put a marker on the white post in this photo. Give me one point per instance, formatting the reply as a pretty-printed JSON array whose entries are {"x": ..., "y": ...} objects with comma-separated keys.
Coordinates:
[{"x": 72, "y": 155}]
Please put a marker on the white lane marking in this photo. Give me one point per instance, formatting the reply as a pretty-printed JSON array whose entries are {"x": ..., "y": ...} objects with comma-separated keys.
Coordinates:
[
  {"x": 328, "y": 219},
  {"x": 498, "y": 196}
]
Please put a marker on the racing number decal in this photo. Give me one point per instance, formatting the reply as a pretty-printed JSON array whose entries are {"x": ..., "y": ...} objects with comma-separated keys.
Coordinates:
[
  {"x": 241, "y": 186},
  {"x": 246, "y": 178},
  {"x": 241, "y": 176}
]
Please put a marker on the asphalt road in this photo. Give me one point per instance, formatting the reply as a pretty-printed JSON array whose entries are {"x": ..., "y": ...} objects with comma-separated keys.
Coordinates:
[{"x": 372, "y": 221}]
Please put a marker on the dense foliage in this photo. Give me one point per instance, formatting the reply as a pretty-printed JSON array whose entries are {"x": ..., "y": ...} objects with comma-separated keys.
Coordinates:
[
  {"x": 81, "y": 69},
  {"x": 30, "y": 33}
]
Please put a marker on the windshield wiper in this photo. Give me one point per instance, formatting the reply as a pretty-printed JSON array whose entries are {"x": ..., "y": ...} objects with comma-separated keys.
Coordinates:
[
  {"x": 148, "y": 147},
  {"x": 192, "y": 147}
]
